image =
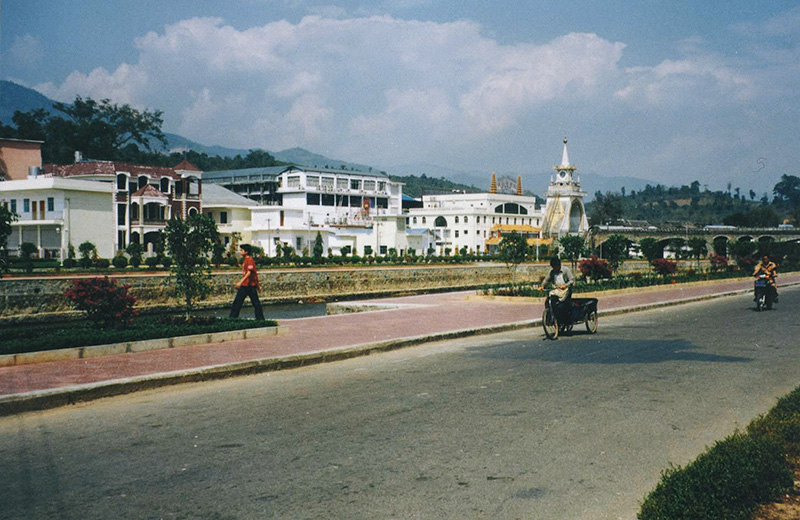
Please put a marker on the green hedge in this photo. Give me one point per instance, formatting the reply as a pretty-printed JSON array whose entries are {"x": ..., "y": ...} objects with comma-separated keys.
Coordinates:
[
  {"x": 19, "y": 339},
  {"x": 732, "y": 478}
]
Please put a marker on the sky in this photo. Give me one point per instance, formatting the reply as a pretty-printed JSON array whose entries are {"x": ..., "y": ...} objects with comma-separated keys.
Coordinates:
[{"x": 667, "y": 91}]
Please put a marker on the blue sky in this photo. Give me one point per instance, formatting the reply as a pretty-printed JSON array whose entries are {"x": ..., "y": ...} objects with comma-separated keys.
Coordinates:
[{"x": 667, "y": 91}]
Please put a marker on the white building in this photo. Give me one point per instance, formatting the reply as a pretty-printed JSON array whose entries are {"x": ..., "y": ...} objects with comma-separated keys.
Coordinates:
[
  {"x": 56, "y": 212},
  {"x": 475, "y": 222},
  {"x": 230, "y": 211},
  {"x": 347, "y": 208}
]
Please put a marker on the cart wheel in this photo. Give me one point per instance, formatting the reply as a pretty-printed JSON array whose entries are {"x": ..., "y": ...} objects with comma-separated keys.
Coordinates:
[
  {"x": 591, "y": 322},
  {"x": 549, "y": 324}
]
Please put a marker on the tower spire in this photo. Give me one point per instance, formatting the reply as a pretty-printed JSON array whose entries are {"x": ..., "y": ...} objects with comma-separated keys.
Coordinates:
[
  {"x": 493, "y": 186},
  {"x": 519, "y": 185},
  {"x": 565, "y": 155}
]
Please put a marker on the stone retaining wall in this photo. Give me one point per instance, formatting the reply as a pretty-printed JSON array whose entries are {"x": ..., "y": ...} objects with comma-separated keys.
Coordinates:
[{"x": 42, "y": 296}]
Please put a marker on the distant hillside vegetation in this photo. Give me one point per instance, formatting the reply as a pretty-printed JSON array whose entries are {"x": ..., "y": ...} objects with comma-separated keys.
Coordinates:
[{"x": 424, "y": 185}]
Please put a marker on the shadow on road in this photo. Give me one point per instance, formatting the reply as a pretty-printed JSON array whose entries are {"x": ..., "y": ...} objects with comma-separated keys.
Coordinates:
[{"x": 602, "y": 351}]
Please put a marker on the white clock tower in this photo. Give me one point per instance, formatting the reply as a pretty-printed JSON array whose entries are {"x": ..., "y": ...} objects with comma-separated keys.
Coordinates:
[{"x": 564, "y": 210}]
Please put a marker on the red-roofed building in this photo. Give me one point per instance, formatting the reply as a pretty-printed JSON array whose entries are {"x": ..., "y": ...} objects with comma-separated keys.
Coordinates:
[{"x": 145, "y": 197}]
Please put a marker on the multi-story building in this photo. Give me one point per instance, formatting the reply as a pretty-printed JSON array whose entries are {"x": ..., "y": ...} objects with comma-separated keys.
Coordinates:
[
  {"x": 145, "y": 197},
  {"x": 230, "y": 211},
  {"x": 298, "y": 202},
  {"x": 54, "y": 213}
]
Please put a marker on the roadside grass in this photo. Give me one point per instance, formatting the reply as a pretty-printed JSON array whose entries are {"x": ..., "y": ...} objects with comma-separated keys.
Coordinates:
[
  {"x": 30, "y": 337},
  {"x": 730, "y": 480}
]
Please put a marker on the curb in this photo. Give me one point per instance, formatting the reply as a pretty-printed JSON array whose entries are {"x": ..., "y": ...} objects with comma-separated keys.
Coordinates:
[
  {"x": 54, "y": 398},
  {"x": 45, "y": 356}
]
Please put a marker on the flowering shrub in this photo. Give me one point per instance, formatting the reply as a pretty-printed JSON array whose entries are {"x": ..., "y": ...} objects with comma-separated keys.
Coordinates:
[
  {"x": 105, "y": 303},
  {"x": 718, "y": 262},
  {"x": 595, "y": 268},
  {"x": 664, "y": 266}
]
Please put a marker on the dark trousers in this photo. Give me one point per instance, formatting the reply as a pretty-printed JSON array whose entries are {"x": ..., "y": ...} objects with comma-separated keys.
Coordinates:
[{"x": 243, "y": 292}]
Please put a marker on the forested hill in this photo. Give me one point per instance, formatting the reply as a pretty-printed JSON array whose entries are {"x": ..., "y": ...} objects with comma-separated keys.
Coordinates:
[
  {"x": 659, "y": 205},
  {"x": 424, "y": 185}
]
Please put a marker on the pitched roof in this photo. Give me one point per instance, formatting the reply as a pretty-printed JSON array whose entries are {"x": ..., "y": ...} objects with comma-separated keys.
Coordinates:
[
  {"x": 185, "y": 165},
  {"x": 149, "y": 191},
  {"x": 215, "y": 195}
]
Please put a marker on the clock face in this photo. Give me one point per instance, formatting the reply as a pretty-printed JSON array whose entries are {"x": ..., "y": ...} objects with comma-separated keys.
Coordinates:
[{"x": 562, "y": 174}]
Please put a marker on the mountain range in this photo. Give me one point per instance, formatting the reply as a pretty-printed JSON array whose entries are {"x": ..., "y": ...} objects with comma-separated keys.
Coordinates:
[{"x": 14, "y": 97}]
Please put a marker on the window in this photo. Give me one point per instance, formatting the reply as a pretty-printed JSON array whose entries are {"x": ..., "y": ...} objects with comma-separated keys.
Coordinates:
[
  {"x": 456, "y": 233},
  {"x": 466, "y": 220},
  {"x": 456, "y": 220},
  {"x": 440, "y": 222},
  {"x": 293, "y": 181},
  {"x": 466, "y": 231},
  {"x": 383, "y": 250},
  {"x": 424, "y": 220},
  {"x": 26, "y": 205},
  {"x": 327, "y": 182},
  {"x": 369, "y": 185},
  {"x": 312, "y": 181},
  {"x": 122, "y": 181},
  {"x": 299, "y": 243},
  {"x": 341, "y": 183},
  {"x": 51, "y": 204},
  {"x": 164, "y": 185},
  {"x": 312, "y": 199},
  {"x": 13, "y": 205},
  {"x": 142, "y": 181},
  {"x": 121, "y": 211},
  {"x": 415, "y": 220},
  {"x": 355, "y": 184},
  {"x": 381, "y": 186},
  {"x": 223, "y": 217}
]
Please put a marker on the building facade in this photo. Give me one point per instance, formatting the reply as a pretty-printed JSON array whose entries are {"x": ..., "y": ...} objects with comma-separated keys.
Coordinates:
[
  {"x": 19, "y": 158},
  {"x": 145, "y": 197},
  {"x": 55, "y": 213},
  {"x": 296, "y": 203}
]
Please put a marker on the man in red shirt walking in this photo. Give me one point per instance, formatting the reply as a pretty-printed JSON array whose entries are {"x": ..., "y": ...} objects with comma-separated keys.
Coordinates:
[{"x": 248, "y": 285}]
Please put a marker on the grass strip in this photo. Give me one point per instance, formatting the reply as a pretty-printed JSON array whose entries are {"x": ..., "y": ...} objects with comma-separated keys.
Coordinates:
[{"x": 19, "y": 339}]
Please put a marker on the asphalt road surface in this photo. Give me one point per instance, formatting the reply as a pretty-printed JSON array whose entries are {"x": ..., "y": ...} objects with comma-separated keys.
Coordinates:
[{"x": 502, "y": 426}]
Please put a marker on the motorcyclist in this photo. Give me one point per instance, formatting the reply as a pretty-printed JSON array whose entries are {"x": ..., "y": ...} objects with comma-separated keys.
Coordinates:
[
  {"x": 560, "y": 281},
  {"x": 770, "y": 271}
]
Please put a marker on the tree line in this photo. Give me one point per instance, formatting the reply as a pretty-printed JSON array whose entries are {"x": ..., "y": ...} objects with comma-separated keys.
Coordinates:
[{"x": 659, "y": 205}]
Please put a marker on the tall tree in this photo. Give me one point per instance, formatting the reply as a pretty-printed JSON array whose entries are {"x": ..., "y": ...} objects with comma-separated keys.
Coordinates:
[
  {"x": 189, "y": 243},
  {"x": 99, "y": 130},
  {"x": 615, "y": 250},
  {"x": 606, "y": 209},
  {"x": 788, "y": 189}
]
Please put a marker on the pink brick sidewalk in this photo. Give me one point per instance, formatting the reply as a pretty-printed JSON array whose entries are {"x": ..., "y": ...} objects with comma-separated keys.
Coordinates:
[{"x": 423, "y": 315}]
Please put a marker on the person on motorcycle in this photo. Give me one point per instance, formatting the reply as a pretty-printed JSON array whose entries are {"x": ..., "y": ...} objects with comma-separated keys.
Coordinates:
[
  {"x": 770, "y": 270},
  {"x": 560, "y": 281}
]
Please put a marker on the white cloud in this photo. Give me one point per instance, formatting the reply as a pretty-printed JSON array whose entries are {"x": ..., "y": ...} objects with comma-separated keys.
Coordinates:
[{"x": 378, "y": 89}]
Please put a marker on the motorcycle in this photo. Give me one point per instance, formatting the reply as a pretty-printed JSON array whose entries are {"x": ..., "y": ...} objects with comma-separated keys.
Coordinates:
[
  {"x": 764, "y": 292},
  {"x": 582, "y": 310}
]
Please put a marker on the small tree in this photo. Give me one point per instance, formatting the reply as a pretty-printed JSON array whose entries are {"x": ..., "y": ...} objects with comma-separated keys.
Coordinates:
[
  {"x": 650, "y": 249},
  {"x": 698, "y": 248},
  {"x": 572, "y": 248},
  {"x": 189, "y": 242},
  {"x": 514, "y": 250},
  {"x": 615, "y": 250},
  {"x": 135, "y": 251},
  {"x": 88, "y": 253},
  {"x": 27, "y": 252},
  {"x": 718, "y": 262},
  {"x": 319, "y": 246},
  {"x": 6, "y": 219},
  {"x": 105, "y": 303}
]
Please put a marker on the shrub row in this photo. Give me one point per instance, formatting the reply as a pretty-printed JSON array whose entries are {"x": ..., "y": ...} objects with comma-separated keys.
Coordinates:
[
  {"x": 732, "y": 478},
  {"x": 24, "y": 338}
]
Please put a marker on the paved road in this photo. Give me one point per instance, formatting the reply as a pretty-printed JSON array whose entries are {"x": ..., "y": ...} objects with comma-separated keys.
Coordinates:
[{"x": 502, "y": 426}]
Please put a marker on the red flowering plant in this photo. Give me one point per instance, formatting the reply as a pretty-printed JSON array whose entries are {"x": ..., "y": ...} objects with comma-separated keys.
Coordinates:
[
  {"x": 664, "y": 266},
  {"x": 595, "y": 268},
  {"x": 106, "y": 304},
  {"x": 718, "y": 262}
]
